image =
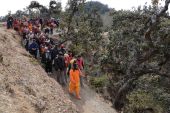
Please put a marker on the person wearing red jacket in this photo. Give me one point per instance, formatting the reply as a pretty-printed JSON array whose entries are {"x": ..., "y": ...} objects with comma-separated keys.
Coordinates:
[{"x": 80, "y": 63}]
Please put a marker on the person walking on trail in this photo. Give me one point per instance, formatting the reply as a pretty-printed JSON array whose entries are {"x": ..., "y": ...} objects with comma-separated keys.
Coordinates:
[
  {"x": 16, "y": 25},
  {"x": 43, "y": 49},
  {"x": 47, "y": 30},
  {"x": 29, "y": 25},
  {"x": 24, "y": 39},
  {"x": 55, "y": 52},
  {"x": 41, "y": 23},
  {"x": 9, "y": 22},
  {"x": 48, "y": 61},
  {"x": 62, "y": 49},
  {"x": 33, "y": 48},
  {"x": 56, "y": 22},
  {"x": 80, "y": 63},
  {"x": 70, "y": 65},
  {"x": 70, "y": 55},
  {"x": 66, "y": 59},
  {"x": 59, "y": 65},
  {"x": 74, "y": 85}
]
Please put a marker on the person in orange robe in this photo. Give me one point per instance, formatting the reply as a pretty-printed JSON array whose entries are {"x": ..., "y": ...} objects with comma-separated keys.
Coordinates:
[
  {"x": 30, "y": 26},
  {"x": 74, "y": 85}
]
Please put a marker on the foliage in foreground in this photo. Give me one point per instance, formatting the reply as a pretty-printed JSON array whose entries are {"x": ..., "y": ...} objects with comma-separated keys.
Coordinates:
[
  {"x": 150, "y": 94},
  {"x": 139, "y": 45}
]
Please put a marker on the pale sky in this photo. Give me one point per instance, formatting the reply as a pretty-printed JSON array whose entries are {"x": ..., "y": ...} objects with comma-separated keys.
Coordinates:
[{"x": 14, "y": 5}]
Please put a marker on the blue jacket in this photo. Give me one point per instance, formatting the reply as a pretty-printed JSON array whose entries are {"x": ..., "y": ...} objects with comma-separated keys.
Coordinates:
[{"x": 34, "y": 45}]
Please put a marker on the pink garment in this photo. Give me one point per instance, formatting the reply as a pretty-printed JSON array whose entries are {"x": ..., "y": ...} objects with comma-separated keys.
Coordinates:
[{"x": 80, "y": 63}]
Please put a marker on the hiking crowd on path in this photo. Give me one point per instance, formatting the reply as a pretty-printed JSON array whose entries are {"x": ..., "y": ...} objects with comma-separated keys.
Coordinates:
[{"x": 36, "y": 38}]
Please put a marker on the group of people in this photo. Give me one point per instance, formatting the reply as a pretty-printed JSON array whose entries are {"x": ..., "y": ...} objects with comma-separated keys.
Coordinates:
[{"x": 36, "y": 38}]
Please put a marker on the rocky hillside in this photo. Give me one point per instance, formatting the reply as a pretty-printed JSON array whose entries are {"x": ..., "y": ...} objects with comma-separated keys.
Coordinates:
[{"x": 24, "y": 85}]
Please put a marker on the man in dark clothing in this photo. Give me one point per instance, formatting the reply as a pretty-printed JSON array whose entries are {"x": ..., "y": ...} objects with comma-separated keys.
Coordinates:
[
  {"x": 9, "y": 22},
  {"x": 51, "y": 30},
  {"x": 54, "y": 52},
  {"x": 48, "y": 61},
  {"x": 42, "y": 52},
  {"x": 56, "y": 22},
  {"x": 33, "y": 48},
  {"x": 41, "y": 21},
  {"x": 47, "y": 30},
  {"x": 59, "y": 65},
  {"x": 62, "y": 49},
  {"x": 27, "y": 44}
]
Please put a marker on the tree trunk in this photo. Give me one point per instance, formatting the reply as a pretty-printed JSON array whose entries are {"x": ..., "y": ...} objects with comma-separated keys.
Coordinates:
[{"x": 121, "y": 95}]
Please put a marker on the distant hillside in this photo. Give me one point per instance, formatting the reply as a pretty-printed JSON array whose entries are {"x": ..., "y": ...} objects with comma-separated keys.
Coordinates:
[{"x": 94, "y": 5}]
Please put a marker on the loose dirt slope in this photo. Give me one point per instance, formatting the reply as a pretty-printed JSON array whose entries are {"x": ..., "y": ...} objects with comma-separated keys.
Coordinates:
[
  {"x": 91, "y": 102},
  {"x": 24, "y": 85}
]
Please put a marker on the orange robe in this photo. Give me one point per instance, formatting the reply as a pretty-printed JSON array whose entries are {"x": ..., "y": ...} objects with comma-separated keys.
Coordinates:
[
  {"x": 30, "y": 27},
  {"x": 74, "y": 85}
]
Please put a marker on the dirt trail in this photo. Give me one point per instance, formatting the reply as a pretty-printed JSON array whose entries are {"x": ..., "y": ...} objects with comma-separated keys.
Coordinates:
[
  {"x": 91, "y": 102},
  {"x": 26, "y": 88}
]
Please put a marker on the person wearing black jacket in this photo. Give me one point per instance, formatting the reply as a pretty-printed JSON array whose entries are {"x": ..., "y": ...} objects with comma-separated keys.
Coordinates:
[
  {"x": 59, "y": 65},
  {"x": 48, "y": 61},
  {"x": 54, "y": 52},
  {"x": 9, "y": 22}
]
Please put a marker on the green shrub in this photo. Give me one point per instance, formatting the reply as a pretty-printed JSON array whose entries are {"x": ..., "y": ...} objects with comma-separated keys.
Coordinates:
[
  {"x": 76, "y": 49},
  {"x": 140, "y": 100},
  {"x": 98, "y": 82},
  {"x": 149, "y": 93}
]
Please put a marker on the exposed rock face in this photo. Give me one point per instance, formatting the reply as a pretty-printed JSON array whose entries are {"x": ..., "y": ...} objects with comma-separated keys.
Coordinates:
[{"x": 24, "y": 85}]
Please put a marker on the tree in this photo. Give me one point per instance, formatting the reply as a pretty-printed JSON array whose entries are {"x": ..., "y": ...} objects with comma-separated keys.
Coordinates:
[
  {"x": 83, "y": 29},
  {"x": 54, "y": 7},
  {"x": 53, "y": 10},
  {"x": 72, "y": 8},
  {"x": 155, "y": 2},
  {"x": 137, "y": 47}
]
